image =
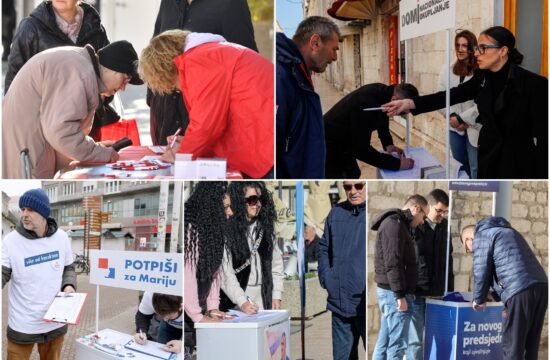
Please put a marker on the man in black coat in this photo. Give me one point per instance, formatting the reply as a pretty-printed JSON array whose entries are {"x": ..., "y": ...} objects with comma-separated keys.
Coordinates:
[
  {"x": 348, "y": 130},
  {"x": 430, "y": 243},
  {"x": 228, "y": 18},
  {"x": 396, "y": 275},
  {"x": 504, "y": 261}
]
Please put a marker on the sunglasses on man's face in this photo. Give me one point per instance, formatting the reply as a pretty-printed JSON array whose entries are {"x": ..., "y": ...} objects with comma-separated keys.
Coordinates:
[
  {"x": 253, "y": 200},
  {"x": 358, "y": 186}
]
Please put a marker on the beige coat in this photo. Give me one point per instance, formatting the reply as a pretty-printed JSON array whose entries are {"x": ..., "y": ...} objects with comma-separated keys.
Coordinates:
[{"x": 49, "y": 110}]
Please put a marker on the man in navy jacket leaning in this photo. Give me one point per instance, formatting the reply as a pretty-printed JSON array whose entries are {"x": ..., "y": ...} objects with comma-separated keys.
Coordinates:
[
  {"x": 504, "y": 261},
  {"x": 300, "y": 132},
  {"x": 342, "y": 262}
]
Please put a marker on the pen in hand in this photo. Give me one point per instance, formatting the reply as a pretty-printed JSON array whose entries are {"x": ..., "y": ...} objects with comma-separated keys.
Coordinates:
[
  {"x": 141, "y": 338},
  {"x": 175, "y": 138}
]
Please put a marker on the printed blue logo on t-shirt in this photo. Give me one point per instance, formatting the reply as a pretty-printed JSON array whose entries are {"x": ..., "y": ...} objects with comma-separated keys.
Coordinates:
[{"x": 42, "y": 258}]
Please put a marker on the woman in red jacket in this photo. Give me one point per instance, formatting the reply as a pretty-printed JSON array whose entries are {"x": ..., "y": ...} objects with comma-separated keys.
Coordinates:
[{"x": 228, "y": 92}]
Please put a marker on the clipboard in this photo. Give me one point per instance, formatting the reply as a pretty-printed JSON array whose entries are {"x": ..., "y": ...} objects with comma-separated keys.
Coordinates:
[
  {"x": 66, "y": 309},
  {"x": 151, "y": 348}
]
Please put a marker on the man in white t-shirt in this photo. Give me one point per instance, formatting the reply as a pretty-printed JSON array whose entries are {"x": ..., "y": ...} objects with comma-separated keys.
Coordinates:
[
  {"x": 170, "y": 309},
  {"x": 37, "y": 258}
]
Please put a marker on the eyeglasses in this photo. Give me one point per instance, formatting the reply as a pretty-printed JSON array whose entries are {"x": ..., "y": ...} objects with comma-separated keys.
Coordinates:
[
  {"x": 358, "y": 186},
  {"x": 253, "y": 200},
  {"x": 441, "y": 211},
  {"x": 482, "y": 47}
]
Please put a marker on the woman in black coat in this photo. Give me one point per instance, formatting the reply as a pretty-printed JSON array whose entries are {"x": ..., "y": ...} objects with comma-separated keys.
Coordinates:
[
  {"x": 41, "y": 31},
  {"x": 513, "y": 109}
]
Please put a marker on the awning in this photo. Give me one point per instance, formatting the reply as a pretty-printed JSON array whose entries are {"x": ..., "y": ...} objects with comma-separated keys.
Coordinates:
[
  {"x": 108, "y": 234},
  {"x": 352, "y": 9}
]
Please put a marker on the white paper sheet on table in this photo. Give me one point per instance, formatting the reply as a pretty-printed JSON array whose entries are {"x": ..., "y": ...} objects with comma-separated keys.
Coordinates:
[
  {"x": 241, "y": 317},
  {"x": 111, "y": 342},
  {"x": 150, "y": 348},
  {"x": 158, "y": 149},
  {"x": 421, "y": 157},
  {"x": 66, "y": 308}
]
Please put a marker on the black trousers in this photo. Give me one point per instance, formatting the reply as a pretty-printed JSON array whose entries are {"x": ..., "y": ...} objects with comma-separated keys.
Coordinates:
[{"x": 522, "y": 326}]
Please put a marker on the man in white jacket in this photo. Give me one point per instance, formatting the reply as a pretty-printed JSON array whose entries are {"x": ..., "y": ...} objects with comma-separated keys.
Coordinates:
[{"x": 37, "y": 258}]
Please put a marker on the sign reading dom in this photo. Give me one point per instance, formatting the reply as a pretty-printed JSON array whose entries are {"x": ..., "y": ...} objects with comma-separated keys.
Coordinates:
[{"x": 422, "y": 17}]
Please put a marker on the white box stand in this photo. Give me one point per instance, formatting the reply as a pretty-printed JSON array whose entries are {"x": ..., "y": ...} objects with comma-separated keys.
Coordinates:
[{"x": 245, "y": 340}]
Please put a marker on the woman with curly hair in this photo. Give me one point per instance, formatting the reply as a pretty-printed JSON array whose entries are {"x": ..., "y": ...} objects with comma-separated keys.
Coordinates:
[
  {"x": 205, "y": 218},
  {"x": 228, "y": 92},
  {"x": 253, "y": 264}
]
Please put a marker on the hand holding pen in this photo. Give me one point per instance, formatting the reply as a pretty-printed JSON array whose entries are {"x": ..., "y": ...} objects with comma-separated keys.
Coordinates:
[
  {"x": 140, "y": 337},
  {"x": 249, "y": 307},
  {"x": 169, "y": 155}
]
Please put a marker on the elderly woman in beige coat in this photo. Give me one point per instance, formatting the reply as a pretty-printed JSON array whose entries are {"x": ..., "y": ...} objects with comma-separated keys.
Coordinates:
[{"x": 50, "y": 104}]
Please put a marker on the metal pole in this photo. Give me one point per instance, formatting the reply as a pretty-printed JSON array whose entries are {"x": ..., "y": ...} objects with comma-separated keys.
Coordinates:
[
  {"x": 301, "y": 260},
  {"x": 447, "y": 255},
  {"x": 448, "y": 104},
  {"x": 407, "y": 117},
  {"x": 97, "y": 309},
  {"x": 502, "y": 203},
  {"x": 176, "y": 215}
]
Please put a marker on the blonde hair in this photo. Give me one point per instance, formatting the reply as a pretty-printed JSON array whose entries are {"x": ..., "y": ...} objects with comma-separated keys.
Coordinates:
[{"x": 156, "y": 64}]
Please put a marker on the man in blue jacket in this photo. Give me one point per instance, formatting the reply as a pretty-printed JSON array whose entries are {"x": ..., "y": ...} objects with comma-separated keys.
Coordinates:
[
  {"x": 342, "y": 261},
  {"x": 300, "y": 131},
  {"x": 504, "y": 261}
]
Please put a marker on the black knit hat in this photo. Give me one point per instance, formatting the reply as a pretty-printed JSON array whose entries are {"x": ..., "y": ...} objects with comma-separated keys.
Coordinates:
[
  {"x": 37, "y": 200},
  {"x": 121, "y": 57}
]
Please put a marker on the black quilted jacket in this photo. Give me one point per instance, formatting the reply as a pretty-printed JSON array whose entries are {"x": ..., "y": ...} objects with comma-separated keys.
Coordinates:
[{"x": 39, "y": 32}]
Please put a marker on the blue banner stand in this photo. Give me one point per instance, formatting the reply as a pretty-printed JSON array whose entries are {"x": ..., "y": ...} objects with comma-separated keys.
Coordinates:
[{"x": 455, "y": 331}]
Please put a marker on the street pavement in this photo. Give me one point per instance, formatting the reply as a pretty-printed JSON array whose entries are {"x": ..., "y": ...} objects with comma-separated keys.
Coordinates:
[
  {"x": 318, "y": 339},
  {"x": 117, "y": 309}
]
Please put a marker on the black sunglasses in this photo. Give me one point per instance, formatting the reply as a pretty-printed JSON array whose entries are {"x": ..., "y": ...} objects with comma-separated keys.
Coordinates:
[
  {"x": 253, "y": 200},
  {"x": 358, "y": 186}
]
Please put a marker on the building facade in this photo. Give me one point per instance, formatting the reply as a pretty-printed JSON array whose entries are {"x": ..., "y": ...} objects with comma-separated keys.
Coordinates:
[
  {"x": 130, "y": 208},
  {"x": 370, "y": 51}
]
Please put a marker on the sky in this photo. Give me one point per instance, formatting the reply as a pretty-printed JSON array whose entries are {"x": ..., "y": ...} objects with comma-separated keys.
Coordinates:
[
  {"x": 289, "y": 13},
  {"x": 18, "y": 187}
]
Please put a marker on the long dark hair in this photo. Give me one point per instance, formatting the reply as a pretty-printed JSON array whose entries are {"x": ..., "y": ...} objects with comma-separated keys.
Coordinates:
[
  {"x": 504, "y": 37},
  {"x": 468, "y": 66},
  {"x": 204, "y": 225},
  {"x": 237, "y": 242}
]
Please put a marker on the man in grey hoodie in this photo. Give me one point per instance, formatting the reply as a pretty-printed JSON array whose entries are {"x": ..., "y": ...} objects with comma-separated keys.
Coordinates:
[{"x": 37, "y": 262}]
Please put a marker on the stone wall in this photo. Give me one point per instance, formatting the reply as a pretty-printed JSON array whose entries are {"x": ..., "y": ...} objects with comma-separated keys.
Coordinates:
[
  {"x": 425, "y": 59},
  {"x": 529, "y": 217}
]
